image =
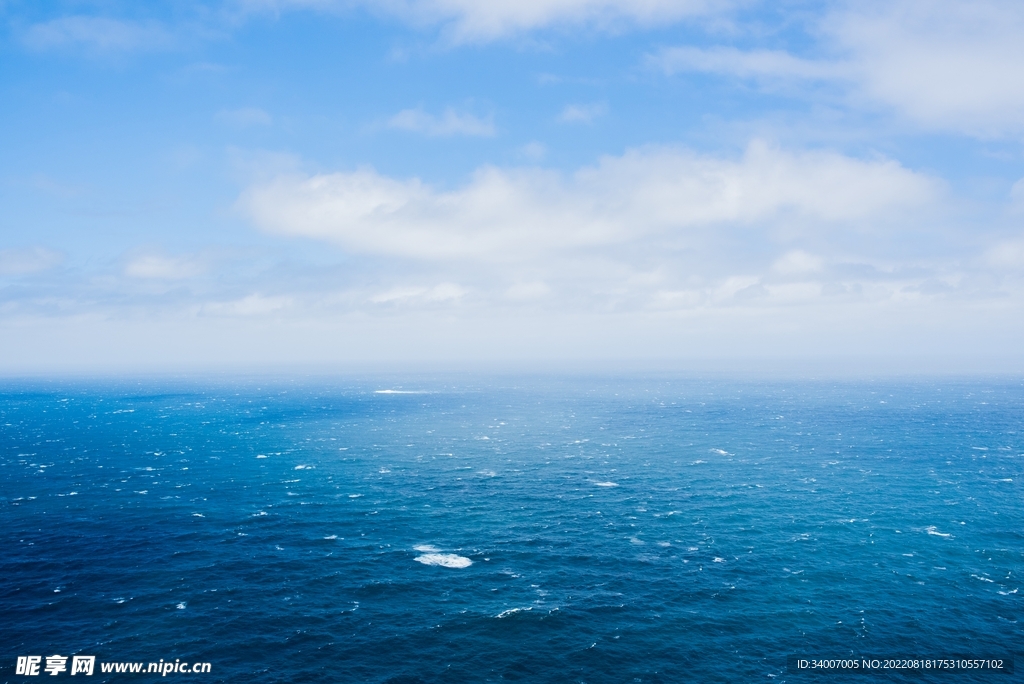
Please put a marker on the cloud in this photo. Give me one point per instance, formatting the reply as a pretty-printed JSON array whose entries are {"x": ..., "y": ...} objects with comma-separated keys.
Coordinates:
[
  {"x": 663, "y": 193},
  {"x": 98, "y": 34},
  {"x": 251, "y": 305},
  {"x": 443, "y": 292},
  {"x": 533, "y": 151},
  {"x": 582, "y": 113},
  {"x": 159, "y": 267},
  {"x": 475, "y": 21},
  {"x": 447, "y": 124},
  {"x": 244, "y": 117},
  {"x": 945, "y": 65},
  {"x": 758, "y": 64},
  {"x": 15, "y": 262},
  {"x": 797, "y": 262}
]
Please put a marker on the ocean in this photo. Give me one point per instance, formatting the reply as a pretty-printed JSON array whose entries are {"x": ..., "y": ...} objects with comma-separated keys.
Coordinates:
[{"x": 525, "y": 529}]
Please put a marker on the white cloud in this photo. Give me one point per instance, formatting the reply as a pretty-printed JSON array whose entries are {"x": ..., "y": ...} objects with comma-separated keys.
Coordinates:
[
  {"x": 99, "y": 34},
  {"x": 582, "y": 113},
  {"x": 942, "y": 64},
  {"x": 476, "y": 21},
  {"x": 645, "y": 194},
  {"x": 797, "y": 262},
  {"x": 159, "y": 267},
  {"x": 533, "y": 151},
  {"x": 1006, "y": 255},
  {"x": 947, "y": 64},
  {"x": 449, "y": 123},
  {"x": 26, "y": 261},
  {"x": 758, "y": 64},
  {"x": 442, "y": 292},
  {"x": 529, "y": 291},
  {"x": 245, "y": 116},
  {"x": 251, "y": 305}
]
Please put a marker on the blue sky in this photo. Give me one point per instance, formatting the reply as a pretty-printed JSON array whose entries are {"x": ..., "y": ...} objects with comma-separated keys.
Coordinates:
[{"x": 677, "y": 183}]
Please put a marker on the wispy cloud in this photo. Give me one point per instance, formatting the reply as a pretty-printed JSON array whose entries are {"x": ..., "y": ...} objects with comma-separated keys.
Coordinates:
[
  {"x": 475, "y": 21},
  {"x": 448, "y": 123},
  {"x": 251, "y": 305},
  {"x": 758, "y": 64},
  {"x": 945, "y": 65},
  {"x": 244, "y": 116},
  {"x": 582, "y": 113},
  {"x": 29, "y": 260},
  {"x": 98, "y": 34},
  {"x": 162, "y": 267}
]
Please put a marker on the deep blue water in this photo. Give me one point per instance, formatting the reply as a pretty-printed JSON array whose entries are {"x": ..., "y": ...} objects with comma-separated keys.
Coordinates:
[{"x": 641, "y": 530}]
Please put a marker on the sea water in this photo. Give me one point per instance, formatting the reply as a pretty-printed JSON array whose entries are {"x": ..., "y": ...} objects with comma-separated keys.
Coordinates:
[{"x": 511, "y": 529}]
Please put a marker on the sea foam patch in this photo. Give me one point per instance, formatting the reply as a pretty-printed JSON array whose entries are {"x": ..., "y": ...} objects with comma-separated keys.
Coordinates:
[{"x": 445, "y": 560}]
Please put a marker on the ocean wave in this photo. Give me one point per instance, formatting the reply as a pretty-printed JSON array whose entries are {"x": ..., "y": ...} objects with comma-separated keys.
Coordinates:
[{"x": 445, "y": 560}]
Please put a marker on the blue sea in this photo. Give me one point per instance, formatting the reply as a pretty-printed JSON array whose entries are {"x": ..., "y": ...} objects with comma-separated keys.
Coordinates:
[{"x": 511, "y": 529}]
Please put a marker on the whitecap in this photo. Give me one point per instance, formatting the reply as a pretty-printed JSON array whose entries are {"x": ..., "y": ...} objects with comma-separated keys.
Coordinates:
[
  {"x": 720, "y": 452},
  {"x": 181, "y": 606},
  {"x": 445, "y": 560},
  {"x": 354, "y": 496},
  {"x": 607, "y": 484},
  {"x": 512, "y": 611},
  {"x": 719, "y": 560},
  {"x": 932, "y": 531},
  {"x": 261, "y": 455},
  {"x": 331, "y": 536},
  {"x": 303, "y": 467},
  {"x": 391, "y": 391},
  {"x": 427, "y": 548},
  {"x": 198, "y": 515}
]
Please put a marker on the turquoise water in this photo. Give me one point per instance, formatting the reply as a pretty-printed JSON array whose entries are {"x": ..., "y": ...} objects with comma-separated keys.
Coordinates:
[{"x": 533, "y": 530}]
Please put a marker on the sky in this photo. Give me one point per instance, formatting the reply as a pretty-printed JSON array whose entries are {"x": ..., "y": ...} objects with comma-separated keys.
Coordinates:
[{"x": 685, "y": 184}]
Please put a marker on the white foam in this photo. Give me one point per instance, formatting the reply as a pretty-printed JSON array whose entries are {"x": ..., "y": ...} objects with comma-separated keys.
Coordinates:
[
  {"x": 720, "y": 452},
  {"x": 426, "y": 548},
  {"x": 389, "y": 391},
  {"x": 445, "y": 560},
  {"x": 198, "y": 515},
  {"x": 607, "y": 484},
  {"x": 261, "y": 455},
  {"x": 354, "y": 496},
  {"x": 719, "y": 560},
  {"x": 331, "y": 536},
  {"x": 512, "y": 611},
  {"x": 303, "y": 467},
  {"x": 932, "y": 531},
  {"x": 181, "y": 606}
]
